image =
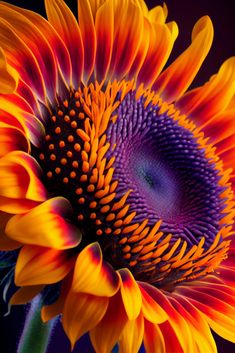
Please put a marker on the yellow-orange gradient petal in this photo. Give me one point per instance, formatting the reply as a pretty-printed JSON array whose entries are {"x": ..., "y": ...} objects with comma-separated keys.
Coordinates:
[
  {"x": 9, "y": 76},
  {"x": 131, "y": 294},
  {"x": 204, "y": 102},
  {"x": 106, "y": 334},
  {"x": 20, "y": 187},
  {"x": 12, "y": 139},
  {"x": 153, "y": 339},
  {"x": 37, "y": 265},
  {"x": 82, "y": 312},
  {"x": 93, "y": 275},
  {"x": 132, "y": 336},
  {"x": 50, "y": 228},
  {"x": 175, "y": 80}
]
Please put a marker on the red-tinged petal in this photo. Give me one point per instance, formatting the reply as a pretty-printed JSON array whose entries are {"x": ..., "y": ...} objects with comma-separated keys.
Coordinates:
[
  {"x": 6, "y": 244},
  {"x": 220, "y": 315},
  {"x": 37, "y": 44},
  {"x": 35, "y": 130},
  {"x": 153, "y": 339},
  {"x": 50, "y": 226},
  {"x": 9, "y": 76},
  {"x": 132, "y": 336},
  {"x": 93, "y": 275},
  {"x": 160, "y": 46},
  {"x": 82, "y": 312},
  {"x": 200, "y": 329},
  {"x": 129, "y": 24},
  {"x": 175, "y": 320},
  {"x": 106, "y": 334},
  {"x": 86, "y": 24},
  {"x": 21, "y": 58},
  {"x": 19, "y": 181},
  {"x": 227, "y": 275},
  {"x": 131, "y": 294},
  {"x": 204, "y": 102},
  {"x": 172, "y": 343},
  {"x": 12, "y": 139},
  {"x": 104, "y": 25},
  {"x": 62, "y": 19},
  {"x": 175, "y": 80},
  {"x": 25, "y": 294},
  {"x": 59, "y": 49},
  {"x": 37, "y": 265},
  {"x": 151, "y": 310},
  {"x": 9, "y": 119}
]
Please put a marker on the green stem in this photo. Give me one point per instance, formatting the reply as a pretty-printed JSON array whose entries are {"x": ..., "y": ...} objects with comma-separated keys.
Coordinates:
[{"x": 35, "y": 336}]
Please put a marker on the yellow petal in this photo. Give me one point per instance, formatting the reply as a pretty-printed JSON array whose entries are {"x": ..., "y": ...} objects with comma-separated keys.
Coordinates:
[
  {"x": 131, "y": 294},
  {"x": 82, "y": 312},
  {"x": 93, "y": 275},
  {"x": 50, "y": 229},
  {"x": 132, "y": 336},
  {"x": 36, "y": 265},
  {"x": 6, "y": 244},
  {"x": 9, "y": 77},
  {"x": 153, "y": 338}
]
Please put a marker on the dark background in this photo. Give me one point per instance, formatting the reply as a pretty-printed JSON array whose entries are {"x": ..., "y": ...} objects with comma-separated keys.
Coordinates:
[{"x": 185, "y": 13}]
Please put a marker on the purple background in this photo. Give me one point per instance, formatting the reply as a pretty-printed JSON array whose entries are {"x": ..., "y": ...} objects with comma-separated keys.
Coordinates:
[{"x": 185, "y": 13}]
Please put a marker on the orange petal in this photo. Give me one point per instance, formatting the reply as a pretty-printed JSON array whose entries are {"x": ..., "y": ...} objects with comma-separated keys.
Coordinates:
[
  {"x": 104, "y": 25},
  {"x": 212, "y": 98},
  {"x": 48, "y": 312},
  {"x": 19, "y": 181},
  {"x": 62, "y": 19},
  {"x": 129, "y": 24},
  {"x": 50, "y": 227},
  {"x": 106, "y": 334},
  {"x": 6, "y": 244},
  {"x": 151, "y": 310},
  {"x": 37, "y": 265},
  {"x": 12, "y": 139},
  {"x": 86, "y": 24},
  {"x": 132, "y": 336},
  {"x": 25, "y": 294},
  {"x": 82, "y": 312},
  {"x": 175, "y": 80},
  {"x": 131, "y": 294},
  {"x": 217, "y": 308},
  {"x": 9, "y": 76},
  {"x": 160, "y": 46},
  {"x": 38, "y": 45},
  {"x": 153, "y": 339},
  {"x": 93, "y": 275}
]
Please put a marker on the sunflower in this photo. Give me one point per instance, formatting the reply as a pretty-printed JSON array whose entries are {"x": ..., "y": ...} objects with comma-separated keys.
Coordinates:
[{"x": 116, "y": 185}]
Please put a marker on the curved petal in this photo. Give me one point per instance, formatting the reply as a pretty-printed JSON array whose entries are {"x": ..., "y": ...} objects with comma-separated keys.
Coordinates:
[
  {"x": 106, "y": 334},
  {"x": 19, "y": 181},
  {"x": 50, "y": 226},
  {"x": 175, "y": 80},
  {"x": 9, "y": 76},
  {"x": 104, "y": 26},
  {"x": 62, "y": 19},
  {"x": 37, "y": 265},
  {"x": 37, "y": 44},
  {"x": 21, "y": 58},
  {"x": 204, "y": 102},
  {"x": 131, "y": 294},
  {"x": 132, "y": 336},
  {"x": 25, "y": 294},
  {"x": 87, "y": 27},
  {"x": 6, "y": 244},
  {"x": 82, "y": 312},
  {"x": 93, "y": 275},
  {"x": 153, "y": 339},
  {"x": 12, "y": 139}
]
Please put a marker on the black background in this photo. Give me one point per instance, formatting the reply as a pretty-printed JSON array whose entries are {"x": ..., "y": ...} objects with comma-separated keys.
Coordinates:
[{"x": 185, "y": 13}]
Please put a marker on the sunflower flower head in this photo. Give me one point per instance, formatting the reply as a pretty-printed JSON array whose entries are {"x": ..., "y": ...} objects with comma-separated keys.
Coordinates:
[{"x": 116, "y": 185}]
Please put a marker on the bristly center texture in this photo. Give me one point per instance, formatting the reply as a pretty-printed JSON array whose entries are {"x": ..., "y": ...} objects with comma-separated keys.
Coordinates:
[{"x": 145, "y": 177}]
